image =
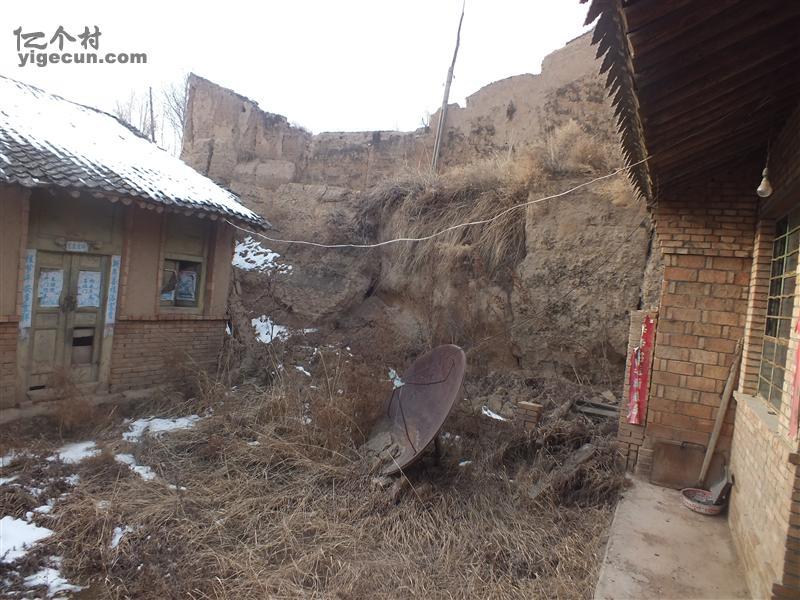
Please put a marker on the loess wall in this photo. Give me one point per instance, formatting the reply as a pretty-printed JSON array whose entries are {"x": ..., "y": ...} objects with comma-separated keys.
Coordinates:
[{"x": 318, "y": 187}]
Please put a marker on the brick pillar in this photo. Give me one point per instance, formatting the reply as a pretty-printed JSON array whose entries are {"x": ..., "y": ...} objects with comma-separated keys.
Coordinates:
[{"x": 757, "y": 306}]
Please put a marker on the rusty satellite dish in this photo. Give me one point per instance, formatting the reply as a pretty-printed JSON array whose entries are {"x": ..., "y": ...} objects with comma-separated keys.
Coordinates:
[{"x": 418, "y": 408}]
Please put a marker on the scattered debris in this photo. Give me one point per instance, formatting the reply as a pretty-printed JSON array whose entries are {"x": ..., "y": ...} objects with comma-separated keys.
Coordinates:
[
  {"x": 573, "y": 462},
  {"x": 491, "y": 414}
]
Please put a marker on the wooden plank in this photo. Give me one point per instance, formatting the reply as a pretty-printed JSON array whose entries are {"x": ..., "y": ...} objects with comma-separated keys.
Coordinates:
[
  {"x": 711, "y": 41},
  {"x": 675, "y": 28},
  {"x": 703, "y": 130},
  {"x": 738, "y": 92},
  {"x": 745, "y": 56},
  {"x": 721, "y": 411},
  {"x": 646, "y": 12},
  {"x": 740, "y": 128}
]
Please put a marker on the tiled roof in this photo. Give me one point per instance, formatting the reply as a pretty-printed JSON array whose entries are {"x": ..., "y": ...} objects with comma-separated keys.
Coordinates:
[{"x": 48, "y": 141}]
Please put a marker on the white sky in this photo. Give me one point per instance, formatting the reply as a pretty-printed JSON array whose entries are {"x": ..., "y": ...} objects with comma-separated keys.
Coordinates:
[{"x": 335, "y": 65}]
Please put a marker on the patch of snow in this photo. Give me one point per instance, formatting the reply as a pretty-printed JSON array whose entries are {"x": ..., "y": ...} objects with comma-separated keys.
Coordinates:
[
  {"x": 250, "y": 255},
  {"x": 395, "y": 379},
  {"x": 17, "y": 536},
  {"x": 228, "y": 329},
  {"x": 142, "y": 471},
  {"x": 119, "y": 533},
  {"x": 50, "y": 577},
  {"x": 254, "y": 443},
  {"x": 10, "y": 457},
  {"x": 5, "y": 480},
  {"x": 491, "y": 414},
  {"x": 74, "y": 453},
  {"x": 177, "y": 488},
  {"x": 464, "y": 463},
  {"x": 302, "y": 370},
  {"x": 267, "y": 331},
  {"x": 45, "y": 508},
  {"x": 73, "y": 479},
  {"x": 157, "y": 426}
]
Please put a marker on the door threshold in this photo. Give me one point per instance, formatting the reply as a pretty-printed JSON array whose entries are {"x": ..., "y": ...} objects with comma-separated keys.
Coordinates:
[{"x": 48, "y": 394}]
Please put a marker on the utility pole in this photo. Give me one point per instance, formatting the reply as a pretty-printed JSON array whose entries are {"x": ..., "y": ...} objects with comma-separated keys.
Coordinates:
[{"x": 437, "y": 143}]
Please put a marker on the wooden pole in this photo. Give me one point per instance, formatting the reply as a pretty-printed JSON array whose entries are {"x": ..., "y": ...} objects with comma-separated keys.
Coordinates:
[
  {"x": 437, "y": 143},
  {"x": 723, "y": 409}
]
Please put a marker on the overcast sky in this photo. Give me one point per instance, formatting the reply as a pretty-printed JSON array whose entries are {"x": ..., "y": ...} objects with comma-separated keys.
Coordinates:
[{"x": 336, "y": 65}]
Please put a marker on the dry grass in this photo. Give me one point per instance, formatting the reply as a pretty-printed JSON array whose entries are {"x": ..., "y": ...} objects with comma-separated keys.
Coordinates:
[
  {"x": 416, "y": 204},
  {"x": 275, "y": 508},
  {"x": 569, "y": 149}
]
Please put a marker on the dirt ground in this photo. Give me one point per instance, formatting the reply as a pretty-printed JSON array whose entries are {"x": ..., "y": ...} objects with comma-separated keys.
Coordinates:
[{"x": 260, "y": 489}]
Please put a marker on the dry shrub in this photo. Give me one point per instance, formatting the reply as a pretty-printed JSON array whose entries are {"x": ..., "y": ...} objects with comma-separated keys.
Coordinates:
[
  {"x": 275, "y": 507},
  {"x": 570, "y": 149},
  {"x": 417, "y": 204}
]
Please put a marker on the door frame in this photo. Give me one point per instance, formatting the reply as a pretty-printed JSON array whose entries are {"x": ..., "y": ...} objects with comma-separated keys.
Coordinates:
[{"x": 105, "y": 334}]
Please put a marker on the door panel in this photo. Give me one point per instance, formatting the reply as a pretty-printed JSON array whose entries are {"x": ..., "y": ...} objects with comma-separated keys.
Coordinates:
[
  {"x": 85, "y": 321},
  {"x": 48, "y": 321},
  {"x": 67, "y": 321}
]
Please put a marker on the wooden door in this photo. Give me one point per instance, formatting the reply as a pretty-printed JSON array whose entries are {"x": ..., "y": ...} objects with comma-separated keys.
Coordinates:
[{"x": 67, "y": 319}]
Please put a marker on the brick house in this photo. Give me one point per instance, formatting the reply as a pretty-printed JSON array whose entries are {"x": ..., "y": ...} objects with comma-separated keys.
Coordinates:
[
  {"x": 115, "y": 257},
  {"x": 708, "y": 94}
]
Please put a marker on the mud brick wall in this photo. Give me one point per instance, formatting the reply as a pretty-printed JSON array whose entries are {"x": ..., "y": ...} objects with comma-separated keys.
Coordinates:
[
  {"x": 706, "y": 239},
  {"x": 631, "y": 437},
  {"x": 8, "y": 363},
  {"x": 158, "y": 352}
]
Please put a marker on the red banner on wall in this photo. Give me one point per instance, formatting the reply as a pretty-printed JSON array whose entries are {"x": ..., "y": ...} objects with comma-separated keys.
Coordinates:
[
  {"x": 639, "y": 372},
  {"x": 795, "y": 391}
]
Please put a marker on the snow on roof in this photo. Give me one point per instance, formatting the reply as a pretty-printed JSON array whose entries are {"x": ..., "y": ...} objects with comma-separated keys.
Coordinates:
[{"x": 46, "y": 141}]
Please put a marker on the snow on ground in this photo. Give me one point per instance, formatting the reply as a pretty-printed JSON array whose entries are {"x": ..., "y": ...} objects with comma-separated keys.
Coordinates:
[
  {"x": 302, "y": 370},
  {"x": 17, "y": 536},
  {"x": 74, "y": 453},
  {"x": 10, "y": 457},
  {"x": 119, "y": 533},
  {"x": 5, "y": 480},
  {"x": 267, "y": 331},
  {"x": 156, "y": 426},
  {"x": 51, "y": 577},
  {"x": 491, "y": 414},
  {"x": 142, "y": 471},
  {"x": 250, "y": 255}
]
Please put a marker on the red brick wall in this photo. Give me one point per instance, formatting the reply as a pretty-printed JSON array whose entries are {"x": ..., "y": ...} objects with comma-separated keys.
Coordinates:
[
  {"x": 706, "y": 238},
  {"x": 8, "y": 362},
  {"x": 155, "y": 352}
]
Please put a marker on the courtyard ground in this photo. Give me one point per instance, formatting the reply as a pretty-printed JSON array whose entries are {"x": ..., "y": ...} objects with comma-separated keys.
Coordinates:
[{"x": 262, "y": 491}]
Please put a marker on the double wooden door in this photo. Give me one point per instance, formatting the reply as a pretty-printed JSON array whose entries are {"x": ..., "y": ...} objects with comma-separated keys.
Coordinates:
[{"x": 67, "y": 319}]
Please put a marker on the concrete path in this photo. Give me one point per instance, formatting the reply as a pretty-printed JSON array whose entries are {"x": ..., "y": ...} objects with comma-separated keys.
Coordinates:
[{"x": 659, "y": 549}]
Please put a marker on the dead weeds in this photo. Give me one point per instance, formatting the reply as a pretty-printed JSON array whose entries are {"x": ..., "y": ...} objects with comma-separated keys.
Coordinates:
[{"x": 269, "y": 497}]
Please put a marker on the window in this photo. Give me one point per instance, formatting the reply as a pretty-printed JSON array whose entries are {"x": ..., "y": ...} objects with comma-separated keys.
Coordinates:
[
  {"x": 180, "y": 283},
  {"x": 780, "y": 304}
]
